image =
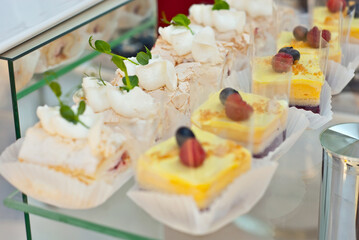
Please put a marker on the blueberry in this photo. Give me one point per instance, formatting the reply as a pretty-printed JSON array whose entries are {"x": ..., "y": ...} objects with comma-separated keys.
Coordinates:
[
  {"x": 225, "y": 94},
  {"x": 290, "y": 50},
  {"x": 182, "y": 134}
]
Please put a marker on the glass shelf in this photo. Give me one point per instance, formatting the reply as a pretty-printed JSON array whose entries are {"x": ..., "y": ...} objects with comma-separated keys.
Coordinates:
[
  {"x": 118, "y": 217},
  {"x": 288, "y": 210},
  {"x": 38, "y": 83},
  {"x": 63, "y": 28}
]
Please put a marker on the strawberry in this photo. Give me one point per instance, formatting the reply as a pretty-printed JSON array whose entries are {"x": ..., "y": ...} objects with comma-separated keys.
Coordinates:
[
  {"x": 326, "y": 35},
  {"x": 237, "y": 109},
  {"x": 313, "y": 37},
  {"x": 282, "y": 62},
  {"x": 191, "y": 153},
  {"x": 336, "y": 5}
]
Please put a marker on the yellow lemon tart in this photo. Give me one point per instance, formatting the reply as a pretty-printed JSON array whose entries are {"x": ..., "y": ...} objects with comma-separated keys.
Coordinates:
[
  {"x": 161, "y": 169},
  {"x": 266, "y": 128}
]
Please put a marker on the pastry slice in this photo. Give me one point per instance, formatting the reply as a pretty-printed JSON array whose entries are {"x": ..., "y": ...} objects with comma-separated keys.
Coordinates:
[
  {"x": 135, "y": 111},
  {"x": 85, "y": 152},
  {"x": 264, "y": 130},
  {"x": 163, "y": 167}
]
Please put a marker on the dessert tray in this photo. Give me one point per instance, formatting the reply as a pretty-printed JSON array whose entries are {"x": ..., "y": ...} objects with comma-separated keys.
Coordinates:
[{"x": 200, "y": 120}]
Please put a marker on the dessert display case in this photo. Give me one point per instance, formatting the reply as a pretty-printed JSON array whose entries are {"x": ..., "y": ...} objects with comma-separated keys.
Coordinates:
[
  {"x": 288, "y": 206},
  {"x": 59, "y": 52}
]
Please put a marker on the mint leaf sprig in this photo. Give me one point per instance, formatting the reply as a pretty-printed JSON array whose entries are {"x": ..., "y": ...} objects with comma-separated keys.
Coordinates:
[
  {"x": 65, "y": 111},
  {"x": 99, "y": 77},
  {"x": 220, "y": 5},
  {"x": 142, "y": 57},
  {"x": 178, "y": 20}
]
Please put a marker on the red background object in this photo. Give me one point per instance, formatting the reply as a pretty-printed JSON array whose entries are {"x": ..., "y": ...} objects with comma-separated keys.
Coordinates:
[{"x": 174, "y": 7}]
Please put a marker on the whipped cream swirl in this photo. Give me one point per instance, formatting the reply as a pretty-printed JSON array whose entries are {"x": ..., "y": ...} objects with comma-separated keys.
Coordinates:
[
  {"x": 254, "y": 8},
  {"x": 135, "y": 103},
  {"x": 154, "y": 75},
  {"x": 202, "y": 45},
  {"x": 54, "y": 124},
  {"x": 221, "y": 20}
]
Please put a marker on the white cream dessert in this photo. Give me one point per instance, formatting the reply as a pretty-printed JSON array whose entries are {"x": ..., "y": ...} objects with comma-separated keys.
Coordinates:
[
  {"x": 210, "y": 61},
  {"x": 254, "y": 8},
  {"x": 264, "y": 18},
  {"x": 178, "y": 45},
  {"x": 158, "y": 79},
  {"x": 228, "y": 24},
  {"x": 135, "y": 112},
  {"x": 83, "y": 152}
]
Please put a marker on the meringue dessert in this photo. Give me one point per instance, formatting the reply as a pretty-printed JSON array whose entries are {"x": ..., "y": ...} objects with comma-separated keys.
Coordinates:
[
  {"x": 200, "y": 165},
  {"x": 212, "y": 60},
  {"x": 228, "y": 24},
  {"x": 135, "y": 112},
  {"x": 169, "y": 97},
  {"x": 261, "y": 121},
  {"x": 86, "y": 151}
]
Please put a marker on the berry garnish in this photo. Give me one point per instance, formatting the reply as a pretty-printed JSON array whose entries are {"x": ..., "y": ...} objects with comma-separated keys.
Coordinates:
[
  {"x": 182, "y": 134},
  {"x": 237, "y": 109},
  {"x": 313, "y": 37},
  {"x": 300, "y": 33},
  {"x": 326, "y": 35},
  {"x": 191, "y": 153},
  {"x": 290, "y": 50},
  {"x": 225, "y": 93},
  {"x": 282, "y": 62},
  {"x": 336, "y": 5}
]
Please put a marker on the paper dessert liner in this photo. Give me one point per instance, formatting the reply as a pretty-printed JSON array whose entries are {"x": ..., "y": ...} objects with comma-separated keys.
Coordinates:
[
  {"x": 181, "y": 213},
  {"x": 55, "y": 188},
  {"x": 318, "y": 120},
  {"x": 338, "y": 76},
  {"x": 351, "y": 55},
  {"x": 297, "y": 123}
]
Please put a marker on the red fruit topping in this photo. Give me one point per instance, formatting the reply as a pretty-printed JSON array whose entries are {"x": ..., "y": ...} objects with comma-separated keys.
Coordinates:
[
  {"x": 191, "y": 153},
  {"x": 237, "y": 109},
  {"x": 326, "y": 35},
  {"x": 282, "y": 62},
  {"x": 336, "y": 5},
  {"x": 313, "y": 37}
]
